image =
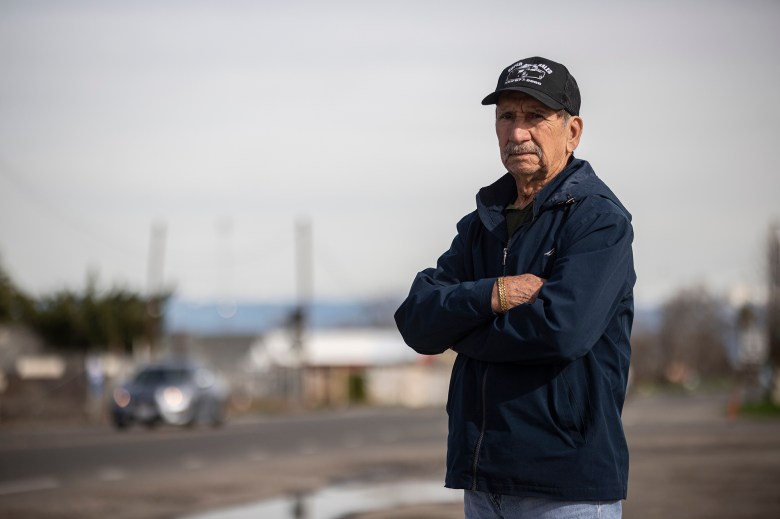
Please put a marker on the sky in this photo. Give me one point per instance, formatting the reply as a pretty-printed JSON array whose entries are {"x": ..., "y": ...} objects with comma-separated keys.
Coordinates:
[{"x": 229, "y": 124}]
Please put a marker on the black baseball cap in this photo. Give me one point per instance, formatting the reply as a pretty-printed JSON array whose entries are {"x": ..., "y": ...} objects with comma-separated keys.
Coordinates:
[{"x": 545, "y": 80}]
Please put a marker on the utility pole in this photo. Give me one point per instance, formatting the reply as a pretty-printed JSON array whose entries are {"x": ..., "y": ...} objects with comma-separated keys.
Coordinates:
[
  {"x": 154, "y": 284},
  {"x": 226, "y": 302},
  {"x": 773, "y": 308},
  {"x": 303, "y": 284}
]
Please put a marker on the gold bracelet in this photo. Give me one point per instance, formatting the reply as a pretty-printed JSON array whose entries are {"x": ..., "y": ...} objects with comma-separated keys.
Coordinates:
[{"x": 503, "y": 305}]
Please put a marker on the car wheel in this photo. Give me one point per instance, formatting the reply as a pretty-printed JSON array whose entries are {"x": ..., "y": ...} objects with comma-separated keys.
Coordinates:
[
  {"x": 120, "y": 424},
  {"x": 218, "y": 417},
  {"x": 215, "y": 414},
  {"x": 151, "y": 424}
]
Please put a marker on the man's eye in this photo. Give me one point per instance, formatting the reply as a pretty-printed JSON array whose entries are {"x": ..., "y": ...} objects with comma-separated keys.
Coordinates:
[
  {"x": 506, "y": 116},
  {"x": 535, "y": 116}
]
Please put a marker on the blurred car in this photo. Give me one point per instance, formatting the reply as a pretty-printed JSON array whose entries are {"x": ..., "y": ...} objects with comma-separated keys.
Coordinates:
[{"x": 176, "y": 393}]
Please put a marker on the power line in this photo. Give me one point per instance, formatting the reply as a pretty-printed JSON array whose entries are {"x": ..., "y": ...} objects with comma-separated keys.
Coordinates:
[{"x": 57, "y": 213}]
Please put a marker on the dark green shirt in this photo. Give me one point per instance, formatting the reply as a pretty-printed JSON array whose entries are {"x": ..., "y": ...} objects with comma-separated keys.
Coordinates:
[{"x": 515, "y": 217}]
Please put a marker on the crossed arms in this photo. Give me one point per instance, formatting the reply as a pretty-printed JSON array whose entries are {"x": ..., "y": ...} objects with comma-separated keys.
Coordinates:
[{"x": 552, "y": 320}]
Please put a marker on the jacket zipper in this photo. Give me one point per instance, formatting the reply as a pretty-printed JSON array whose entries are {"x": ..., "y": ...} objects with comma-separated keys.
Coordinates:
[
  {"x": 484, "y": 399},
  {"x": 569, "y": 201}
]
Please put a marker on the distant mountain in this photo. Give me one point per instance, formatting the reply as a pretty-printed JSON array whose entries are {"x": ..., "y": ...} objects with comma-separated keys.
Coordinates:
[{"x": 257, "y": 318}]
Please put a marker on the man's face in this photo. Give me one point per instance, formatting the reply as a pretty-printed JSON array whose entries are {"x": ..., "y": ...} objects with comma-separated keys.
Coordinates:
[{"x": 535, "y": 140}]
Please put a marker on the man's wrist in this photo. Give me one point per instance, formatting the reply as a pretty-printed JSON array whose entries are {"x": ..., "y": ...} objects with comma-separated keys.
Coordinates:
[{"x": 503, "y": 304}]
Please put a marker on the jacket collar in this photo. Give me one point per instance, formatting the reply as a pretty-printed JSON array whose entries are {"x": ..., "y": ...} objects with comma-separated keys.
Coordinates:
[{"x": 576, "y": 180}]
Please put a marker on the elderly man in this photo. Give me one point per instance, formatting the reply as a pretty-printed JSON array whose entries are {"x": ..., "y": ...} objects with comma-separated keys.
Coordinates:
[{"x": 535, "y": 295}]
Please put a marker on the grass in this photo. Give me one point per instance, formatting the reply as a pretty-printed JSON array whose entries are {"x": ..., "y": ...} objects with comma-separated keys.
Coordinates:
[{"x": 763, "y": 409}]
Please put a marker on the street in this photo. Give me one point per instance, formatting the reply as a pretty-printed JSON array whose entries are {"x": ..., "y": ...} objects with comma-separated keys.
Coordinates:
[
  {"x": 79, "y": 454},
  {"x": 687, "y": 460},
  {"x": 168, "y": 472}
]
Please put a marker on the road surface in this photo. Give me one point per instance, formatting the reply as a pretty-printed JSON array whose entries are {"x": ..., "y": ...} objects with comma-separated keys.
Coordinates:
[{"x": 688, "y": 460}]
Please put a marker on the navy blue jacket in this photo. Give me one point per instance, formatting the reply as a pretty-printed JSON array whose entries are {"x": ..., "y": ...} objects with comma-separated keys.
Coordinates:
[{"x": 536, "y": 394}]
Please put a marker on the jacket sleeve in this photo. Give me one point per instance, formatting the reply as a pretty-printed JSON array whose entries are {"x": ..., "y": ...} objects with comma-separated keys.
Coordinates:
[
  {"x": 445, "y": 304},
  {"x": 588, "y": 282}
]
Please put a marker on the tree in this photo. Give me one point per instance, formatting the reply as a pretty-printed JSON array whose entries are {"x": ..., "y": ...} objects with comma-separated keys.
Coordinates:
[
  {"x": 92, "y": 321},
  {"x": 14, "y": 304},
  {"x": 88, "y": 321},
  {"x": 692, "y": 338}
]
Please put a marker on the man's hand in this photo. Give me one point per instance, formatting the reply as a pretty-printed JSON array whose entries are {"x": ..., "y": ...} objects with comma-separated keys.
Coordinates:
[{"x": 519, "y": 290}]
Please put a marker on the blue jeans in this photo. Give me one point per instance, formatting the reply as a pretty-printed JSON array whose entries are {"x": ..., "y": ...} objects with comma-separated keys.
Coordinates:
[{"x": 482, "y": 505}]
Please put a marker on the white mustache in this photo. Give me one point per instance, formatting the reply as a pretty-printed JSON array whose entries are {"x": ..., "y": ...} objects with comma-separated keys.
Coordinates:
[{"x": 516, "y": 149}]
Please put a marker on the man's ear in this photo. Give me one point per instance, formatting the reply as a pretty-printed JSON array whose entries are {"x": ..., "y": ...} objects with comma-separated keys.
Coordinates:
[{"x": 575, "y": 132}]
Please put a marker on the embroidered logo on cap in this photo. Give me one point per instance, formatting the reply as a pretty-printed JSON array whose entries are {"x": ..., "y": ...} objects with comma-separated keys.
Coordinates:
[{"x": 527, "y": 72}]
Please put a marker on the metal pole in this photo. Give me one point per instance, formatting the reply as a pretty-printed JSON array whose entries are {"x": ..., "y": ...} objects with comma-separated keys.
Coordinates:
[
  {"x": 773, "y": 308},
  {"x": 154, "y": 284},
  {"x": 303, "y": 282}
]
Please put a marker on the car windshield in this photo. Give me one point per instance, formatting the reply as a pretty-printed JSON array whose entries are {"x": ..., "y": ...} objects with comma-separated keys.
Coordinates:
[{"x": 158, "y": 376}]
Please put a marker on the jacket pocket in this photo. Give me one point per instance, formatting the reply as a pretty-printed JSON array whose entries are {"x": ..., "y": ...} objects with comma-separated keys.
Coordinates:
[{"x": 568, "y": 409}]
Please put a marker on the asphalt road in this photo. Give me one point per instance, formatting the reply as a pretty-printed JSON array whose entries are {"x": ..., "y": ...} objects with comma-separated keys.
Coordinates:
[
  {"x": 167, "y": 472},
  {"x": 688, "y": 460},
  {"x": 67, "y": 455}
]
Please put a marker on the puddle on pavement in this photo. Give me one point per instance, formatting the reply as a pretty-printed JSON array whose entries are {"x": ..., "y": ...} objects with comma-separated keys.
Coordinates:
[{"x": 341, "y": 500}]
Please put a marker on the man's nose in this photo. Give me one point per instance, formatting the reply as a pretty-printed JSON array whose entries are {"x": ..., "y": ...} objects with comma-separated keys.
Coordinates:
[{"x": 519, "y": 134}]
